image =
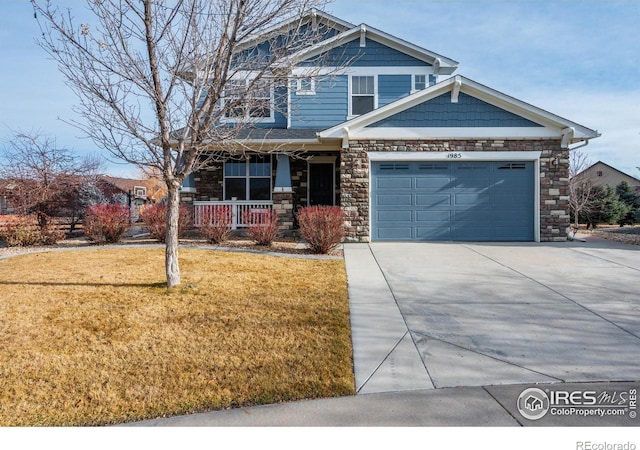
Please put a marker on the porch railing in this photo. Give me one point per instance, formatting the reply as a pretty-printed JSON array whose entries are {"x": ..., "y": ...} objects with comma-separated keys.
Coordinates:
[{"x": 204, "y": 209}]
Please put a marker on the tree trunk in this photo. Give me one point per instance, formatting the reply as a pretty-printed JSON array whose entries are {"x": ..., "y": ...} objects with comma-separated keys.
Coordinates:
[{"x": 171, "y": 244}]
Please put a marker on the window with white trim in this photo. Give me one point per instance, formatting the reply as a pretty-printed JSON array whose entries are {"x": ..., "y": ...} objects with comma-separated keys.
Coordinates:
[
  {"x": 362, "y": 94},
  {"x": 305, "y": 86},
  {"x": 248, "y": 179},
  {"x": 258, "y": 105},
  {"x": 419, "y": 82}
]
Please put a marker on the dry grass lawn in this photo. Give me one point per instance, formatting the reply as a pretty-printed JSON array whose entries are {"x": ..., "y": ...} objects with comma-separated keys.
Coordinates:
[{"x": 93, "y": 337}]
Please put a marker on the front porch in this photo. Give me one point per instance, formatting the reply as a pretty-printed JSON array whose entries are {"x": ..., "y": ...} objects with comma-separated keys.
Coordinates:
[{"x": 264, "y": 182}]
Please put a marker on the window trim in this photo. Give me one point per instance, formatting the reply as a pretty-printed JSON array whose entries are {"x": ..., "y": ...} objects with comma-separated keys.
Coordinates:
[
  {"x": 247, "y": 117},
  {"x": 301, "y": 91},
  {"x": 414, "y": 81},
  {"x": 351, "y": 115},
  {"x": 247, "y": 177}
]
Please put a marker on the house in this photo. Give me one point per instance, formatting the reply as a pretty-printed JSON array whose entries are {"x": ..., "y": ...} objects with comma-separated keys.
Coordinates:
[
  {"x": 137, "y": 193},
  {"x": 141, "y": 191},
  {"x": 409, "y": 149},
  {"x": 602, "y": 174}
]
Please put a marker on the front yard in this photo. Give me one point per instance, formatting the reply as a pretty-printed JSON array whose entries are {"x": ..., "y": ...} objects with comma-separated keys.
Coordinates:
[{"x": 92, "y": 336}]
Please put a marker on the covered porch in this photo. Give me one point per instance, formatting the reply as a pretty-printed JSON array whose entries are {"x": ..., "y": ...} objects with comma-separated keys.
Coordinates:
[{"x": 264, "y": 182}]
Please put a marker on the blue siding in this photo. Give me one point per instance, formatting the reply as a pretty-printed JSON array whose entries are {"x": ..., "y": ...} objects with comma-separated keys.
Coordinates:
[
  {"x": 468, "y": 112},
  {"x": 254, "y": 56},
  {"x": 328, "y": 107},
  {"x": 393, "y": 87},
  {"x": 373, "y": 54}
]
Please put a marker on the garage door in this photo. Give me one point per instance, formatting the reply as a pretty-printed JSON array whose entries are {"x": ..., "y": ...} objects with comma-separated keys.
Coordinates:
[{"x": 453, "y": 201}]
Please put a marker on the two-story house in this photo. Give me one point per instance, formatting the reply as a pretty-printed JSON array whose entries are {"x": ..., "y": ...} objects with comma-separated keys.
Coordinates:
[{"x": 409, "y": 150}]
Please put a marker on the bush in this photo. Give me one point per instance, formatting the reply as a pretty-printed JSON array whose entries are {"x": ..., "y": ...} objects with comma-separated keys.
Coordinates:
[
  {"x": 106, "y": 222},
  {"x": 155, "y": 216},
  {"x": 216, "y": 223},
  {"x": 24, "y": 231},
  {"x": 322, "y": 227},
  {"x": 262, "y": 225}
]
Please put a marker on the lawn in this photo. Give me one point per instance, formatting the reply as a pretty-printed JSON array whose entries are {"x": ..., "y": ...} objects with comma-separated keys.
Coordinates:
[{"x": 93, "y": 337}]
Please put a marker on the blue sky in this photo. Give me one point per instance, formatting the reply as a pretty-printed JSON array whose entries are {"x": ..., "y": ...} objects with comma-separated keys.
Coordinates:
[{"x": 577, "y": 59}]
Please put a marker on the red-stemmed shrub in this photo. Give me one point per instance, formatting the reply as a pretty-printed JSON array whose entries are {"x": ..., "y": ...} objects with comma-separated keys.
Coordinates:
[
  {"x": 262, "y": 225},
  {"x": 106, "y": 222},
  {"x": 155, "y": 216},
  {"x": 322, "y": 227},
  {"x": 216, "y": 223}
]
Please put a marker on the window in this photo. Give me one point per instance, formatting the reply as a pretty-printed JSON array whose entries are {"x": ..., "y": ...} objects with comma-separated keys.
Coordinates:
[
  {"x": 362, "y": 94},
  {"x": 599, "y": 173},
  {"x": 419, "y": 82},
  {"x": 248, "y": 179},
  {"x": 258, "y": 105},
  {"x": 305, "y": 86},
  {"x": 140, "y": 192}
]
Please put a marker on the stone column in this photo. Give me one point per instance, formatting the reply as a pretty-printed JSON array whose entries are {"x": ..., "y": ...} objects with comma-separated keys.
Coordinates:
[{"x": 283, "y": 205}]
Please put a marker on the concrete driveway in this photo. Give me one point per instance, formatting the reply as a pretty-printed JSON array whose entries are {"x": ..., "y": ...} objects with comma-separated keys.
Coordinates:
[{"x": 433, "y": 315}]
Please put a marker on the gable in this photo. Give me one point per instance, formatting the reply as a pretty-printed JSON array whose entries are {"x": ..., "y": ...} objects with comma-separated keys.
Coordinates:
[
  {"x": 441, "y": 112},
  {"x": 373, "y": 54}
]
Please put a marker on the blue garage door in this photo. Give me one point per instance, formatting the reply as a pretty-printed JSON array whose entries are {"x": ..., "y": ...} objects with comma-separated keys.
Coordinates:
[{"x": 453, "y": 201}]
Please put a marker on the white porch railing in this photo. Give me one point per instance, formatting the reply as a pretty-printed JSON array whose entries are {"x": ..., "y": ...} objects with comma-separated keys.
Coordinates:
[{"x": 202, "y": 209}]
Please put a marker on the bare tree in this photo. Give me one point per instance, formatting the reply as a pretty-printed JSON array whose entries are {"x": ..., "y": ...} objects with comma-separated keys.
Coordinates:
[
  {"x": 581, "y": 187},
  {"x": 42, "y": 178},
  {"x": 155, "y": 79}
]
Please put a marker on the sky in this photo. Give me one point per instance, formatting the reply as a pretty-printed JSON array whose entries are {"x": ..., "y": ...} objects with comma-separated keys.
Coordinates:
[{"x": 577, "y": 59}]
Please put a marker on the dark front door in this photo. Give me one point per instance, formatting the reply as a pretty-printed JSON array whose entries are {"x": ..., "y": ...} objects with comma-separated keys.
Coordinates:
[{"x": 321, "y": 188}]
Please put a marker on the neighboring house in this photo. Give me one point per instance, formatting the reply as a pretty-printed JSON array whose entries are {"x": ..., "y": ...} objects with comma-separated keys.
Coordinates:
[
  {"x": 602, "y": 174},
  {"x": 407, "y": 151},
  {"x": 137, "y": 192}
]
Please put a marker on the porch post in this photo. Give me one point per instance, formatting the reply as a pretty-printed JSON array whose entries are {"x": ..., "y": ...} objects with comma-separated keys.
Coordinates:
[{"x": 283, "y": 193}]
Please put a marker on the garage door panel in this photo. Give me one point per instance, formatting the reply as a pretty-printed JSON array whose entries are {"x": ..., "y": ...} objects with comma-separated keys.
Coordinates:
[
  {"x": 395, "y": 233},
  {"x": 470, "y": 201},
  {"x": 438, "y": 233},
  {"x": 394, "y": 216},
  {"x": 423, "y": 182},
  {"x": 473, "y": 215},
  {"x": 441, "y": 217},
  {"x": 394, "y": 199},
  {"x": 394, "y": 183},
  {"x": 433, "y": 200},
  {"x": 478, "y": 200}
]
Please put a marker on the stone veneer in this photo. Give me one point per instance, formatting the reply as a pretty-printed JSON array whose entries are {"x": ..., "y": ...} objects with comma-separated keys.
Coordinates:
[{"x": 554, "y": 178}]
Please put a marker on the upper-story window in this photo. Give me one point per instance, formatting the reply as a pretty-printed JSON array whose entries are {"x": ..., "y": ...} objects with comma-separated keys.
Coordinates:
[
  {"x": 419, "y": 82},
  {"x": 363, "y": 94},
  {"x": 258, "y": 105},
  {"x": 305, "y": 86}
]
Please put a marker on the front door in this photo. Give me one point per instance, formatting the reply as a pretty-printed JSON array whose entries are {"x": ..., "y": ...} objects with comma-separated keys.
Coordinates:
[{"x": 321, "y": 184}]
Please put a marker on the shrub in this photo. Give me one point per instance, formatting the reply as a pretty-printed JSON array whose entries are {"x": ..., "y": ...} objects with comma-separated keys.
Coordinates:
[
  {"x": 21, "y": 231},
  {"x": 262, "y": 225},
  {"x": 106, "y": 222},
  {"x": 322, "y": 227},
  {"x": 216, "y": 223},
  {"x": 24, "y": 231},
  {"x": 155, "y": 216}
]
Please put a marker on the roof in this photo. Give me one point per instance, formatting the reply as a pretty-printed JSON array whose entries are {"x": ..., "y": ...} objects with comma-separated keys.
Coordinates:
[
  {"x": 446, "y": 66},
  {"x": 592, "y": 166},
  {"x": 156, "y": 189},
  {"x": 552, "y": 125},
  {"x": 284, "y": 26}
]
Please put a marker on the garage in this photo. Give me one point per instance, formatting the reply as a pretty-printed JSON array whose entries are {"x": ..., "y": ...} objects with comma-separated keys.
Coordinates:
[{"x": 452, "y": 201}]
